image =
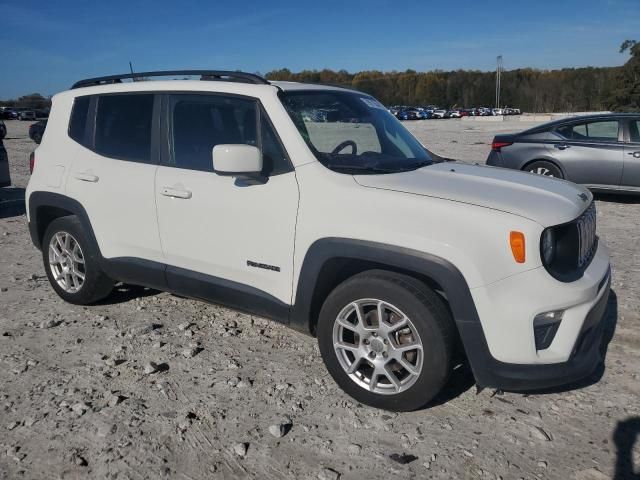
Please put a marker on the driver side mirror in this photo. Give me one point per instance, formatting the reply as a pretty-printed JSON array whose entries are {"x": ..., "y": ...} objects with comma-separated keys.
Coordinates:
[{"x": 242, "y": 161}]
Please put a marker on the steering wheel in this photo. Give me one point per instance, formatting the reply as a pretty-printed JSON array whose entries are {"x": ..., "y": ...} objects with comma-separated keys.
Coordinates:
[{"x": 345, "y": 144}]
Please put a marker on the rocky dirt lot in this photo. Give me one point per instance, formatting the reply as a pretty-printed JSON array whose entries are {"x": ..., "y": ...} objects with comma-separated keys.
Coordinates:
[{"x": 149, "y": 385}]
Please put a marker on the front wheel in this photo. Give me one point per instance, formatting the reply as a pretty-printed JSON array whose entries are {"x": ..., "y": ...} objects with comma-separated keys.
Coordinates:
[
  {"x": 71, "y": 261},
  {"x": 387, "y": 340},
  {"x": 546, "y": 169}
]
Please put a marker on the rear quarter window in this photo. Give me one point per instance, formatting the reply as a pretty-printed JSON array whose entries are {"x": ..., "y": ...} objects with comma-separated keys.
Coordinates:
[{"x": 78, "y": 120}]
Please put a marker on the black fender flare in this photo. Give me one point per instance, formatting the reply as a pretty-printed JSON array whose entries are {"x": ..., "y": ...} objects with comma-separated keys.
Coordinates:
[
  {"x": 50, "y": 199},
  {"x": 441, "y": 271}
]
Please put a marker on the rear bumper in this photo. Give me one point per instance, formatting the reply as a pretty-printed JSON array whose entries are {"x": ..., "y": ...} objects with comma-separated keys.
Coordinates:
[
  {"x": 494, "y": 159},
  {"x": 584, "y": 359}
]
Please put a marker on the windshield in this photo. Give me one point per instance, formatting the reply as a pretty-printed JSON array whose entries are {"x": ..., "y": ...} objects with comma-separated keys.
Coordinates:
[{"x": 351, "y": 132}]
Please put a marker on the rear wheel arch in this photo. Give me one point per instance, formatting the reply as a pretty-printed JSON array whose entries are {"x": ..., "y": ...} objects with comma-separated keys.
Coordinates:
[
  {"x": 547, "y": 160},
  {"x": 45, "y": 207}
]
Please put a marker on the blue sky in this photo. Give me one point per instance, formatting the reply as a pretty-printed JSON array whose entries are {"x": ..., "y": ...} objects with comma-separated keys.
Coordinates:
[{"x": 47, "y": 45}]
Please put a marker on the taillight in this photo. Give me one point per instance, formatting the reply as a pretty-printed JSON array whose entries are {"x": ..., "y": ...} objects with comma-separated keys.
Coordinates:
[
  {"x": 497, "y": 145},
  {"x": 32, "y": 161}
]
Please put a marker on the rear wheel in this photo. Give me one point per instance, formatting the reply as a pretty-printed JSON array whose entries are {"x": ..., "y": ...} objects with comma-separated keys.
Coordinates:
[
  {"x": 387, "y": 340},
  {"x": 544, "y": 168},
  {"x": 71, "y": 261}
]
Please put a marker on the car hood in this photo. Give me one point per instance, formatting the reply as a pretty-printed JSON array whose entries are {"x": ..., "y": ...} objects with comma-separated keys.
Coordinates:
[{"x": 548, "y": 201}]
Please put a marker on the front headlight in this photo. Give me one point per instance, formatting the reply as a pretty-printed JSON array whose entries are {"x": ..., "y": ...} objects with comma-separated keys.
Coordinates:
[{"x": 548, "y": 246}]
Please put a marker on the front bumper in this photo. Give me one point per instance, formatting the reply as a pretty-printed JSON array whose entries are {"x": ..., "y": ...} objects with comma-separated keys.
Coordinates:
[
  {"x": 584, "y": 359},
  {"x": 501, "y": 345}
]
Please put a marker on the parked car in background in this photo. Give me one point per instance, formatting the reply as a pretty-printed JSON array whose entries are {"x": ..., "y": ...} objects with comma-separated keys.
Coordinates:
[
  {"x": 42, "y": 113},
  {"x": 3, "y": 130},
  {"x": 601, "y": 152},
  {"x": 438, "y": 114},
  {"x": 36, "y": 130},
  {"x": 410, "y": 113},
  {"x": 5, "y": 177},
  {"x": 27, "y": 115},
  {"x": 511, "y": 111},
  {"x": 453, "y": 114},
  {"x": 7, "y": 113}
]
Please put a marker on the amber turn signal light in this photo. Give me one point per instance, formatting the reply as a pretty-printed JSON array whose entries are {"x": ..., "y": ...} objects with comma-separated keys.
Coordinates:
[{"x": 516, "y": 240}]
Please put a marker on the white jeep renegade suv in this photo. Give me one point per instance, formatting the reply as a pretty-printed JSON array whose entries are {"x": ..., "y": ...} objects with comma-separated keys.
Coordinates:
[{"x": 313, "y": 206}]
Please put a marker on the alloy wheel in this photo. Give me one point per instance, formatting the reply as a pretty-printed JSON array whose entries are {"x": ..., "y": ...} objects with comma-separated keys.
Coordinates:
[
  {"x": 66, "y": 262},
  {"x": 542, "y": 171},
  {"x": 378, "y": 346}
]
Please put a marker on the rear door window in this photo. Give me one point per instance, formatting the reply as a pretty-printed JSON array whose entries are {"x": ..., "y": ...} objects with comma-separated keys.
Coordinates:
[
  {"x": 124, "y": 125},
  {"x": 598, "y": 131}
]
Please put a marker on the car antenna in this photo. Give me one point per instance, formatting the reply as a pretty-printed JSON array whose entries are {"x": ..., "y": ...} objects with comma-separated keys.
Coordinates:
[{"x": 131, "y": 68}]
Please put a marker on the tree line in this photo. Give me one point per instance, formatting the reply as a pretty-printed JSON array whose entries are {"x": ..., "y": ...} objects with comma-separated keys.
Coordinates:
[
  {"x": 34, "y": 100},
  {"x": 531, "y": 90}
]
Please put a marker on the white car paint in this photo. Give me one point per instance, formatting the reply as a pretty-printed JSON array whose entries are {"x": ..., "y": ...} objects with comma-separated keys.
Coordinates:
[{"x": 207, "y": 223}]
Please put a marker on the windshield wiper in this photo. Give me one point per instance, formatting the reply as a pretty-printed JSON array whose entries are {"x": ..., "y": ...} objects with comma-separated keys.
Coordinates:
[
  {"x": 359, "y": 167},
  {"x": 417, "y": 165}
]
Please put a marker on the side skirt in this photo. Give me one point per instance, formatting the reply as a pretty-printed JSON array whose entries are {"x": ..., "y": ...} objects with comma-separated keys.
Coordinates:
[{"x": 198, "y": 286}]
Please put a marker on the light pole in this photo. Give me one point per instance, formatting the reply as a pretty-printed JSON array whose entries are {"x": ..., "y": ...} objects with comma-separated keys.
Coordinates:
[{"x": 498, "y": 74}]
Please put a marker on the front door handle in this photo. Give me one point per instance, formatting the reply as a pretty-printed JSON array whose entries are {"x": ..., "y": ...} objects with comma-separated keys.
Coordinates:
[
  {"x": 634, "y": 154},
  {"x": 561, "y": 146},
  {"x": 176, "y": 193},
  {"x": 86, "y": 177}
]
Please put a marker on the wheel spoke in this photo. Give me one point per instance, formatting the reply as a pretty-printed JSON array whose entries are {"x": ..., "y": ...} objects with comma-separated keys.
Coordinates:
[
  {"x": 348, "y": 325},
  {"x": 405, "y": 347},
  {"x": 353, "y": 368},
  {"x": 392, "y": 327},
  {"x": 346, "y": 346},
  {"x": 373, "y": 383},
  {"x": 392, "y": 377},
  {"x": 381, "y": 313},
  {"x": 408, "y": 366}
]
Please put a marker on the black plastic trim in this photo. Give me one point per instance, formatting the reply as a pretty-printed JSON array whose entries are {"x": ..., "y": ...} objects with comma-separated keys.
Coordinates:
[
  {"x": 208, "y": 75},
  {"x": 324, "y": 250},
  {"x": 50, "y": 199},
  {"x": 488, "y": 371},
  {"x": 225, "y": 292}
]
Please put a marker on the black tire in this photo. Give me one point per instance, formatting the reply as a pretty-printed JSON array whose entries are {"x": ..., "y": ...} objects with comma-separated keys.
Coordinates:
[
  {"x": 37, "y": 137},
  {"x": 549, "y": 169},
  {"x": 96, "y": 285},
  {"x": 427, "y": 312}
]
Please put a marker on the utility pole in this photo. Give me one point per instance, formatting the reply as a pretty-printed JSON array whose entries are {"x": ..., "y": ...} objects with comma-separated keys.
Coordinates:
[{"x": 498, "y": 75}]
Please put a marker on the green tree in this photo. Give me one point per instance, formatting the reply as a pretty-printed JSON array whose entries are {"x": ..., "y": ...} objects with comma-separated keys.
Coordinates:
[{"x": 626, "y": 94}]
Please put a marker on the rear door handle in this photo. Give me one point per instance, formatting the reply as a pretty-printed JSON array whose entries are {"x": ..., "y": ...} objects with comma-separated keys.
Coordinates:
[
  {"x": 86, "y": 177},
  {"x": 634, "y": 154},
  {"x": 561, "y": 146},
  {"x": 175, "y": 193}
]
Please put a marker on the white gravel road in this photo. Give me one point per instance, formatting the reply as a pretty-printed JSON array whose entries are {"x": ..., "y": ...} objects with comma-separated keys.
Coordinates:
[{"x": 149, "y": 385}]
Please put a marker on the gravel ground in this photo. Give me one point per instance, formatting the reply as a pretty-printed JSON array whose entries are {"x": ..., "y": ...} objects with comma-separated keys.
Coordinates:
[{"x": 150, "y": 385}]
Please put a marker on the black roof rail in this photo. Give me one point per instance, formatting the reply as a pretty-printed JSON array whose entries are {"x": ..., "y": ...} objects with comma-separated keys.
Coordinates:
[{"x": 219, "y": 75}]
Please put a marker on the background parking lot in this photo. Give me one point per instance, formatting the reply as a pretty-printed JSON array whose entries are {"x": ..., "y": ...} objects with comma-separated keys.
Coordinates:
[{"x": 147, "y": 384}]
